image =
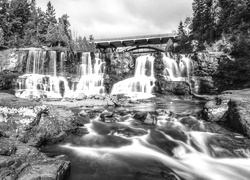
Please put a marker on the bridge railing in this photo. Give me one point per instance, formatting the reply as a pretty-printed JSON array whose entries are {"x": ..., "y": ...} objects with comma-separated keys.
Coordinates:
[{"x": 136, "y": 37}]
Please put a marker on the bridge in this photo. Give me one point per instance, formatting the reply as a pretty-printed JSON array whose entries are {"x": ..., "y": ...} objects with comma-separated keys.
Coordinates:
[{"x": 136, "y": 42}]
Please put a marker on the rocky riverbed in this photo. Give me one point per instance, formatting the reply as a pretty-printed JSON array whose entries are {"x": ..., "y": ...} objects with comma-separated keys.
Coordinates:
[{"x": 26, "y": 126}]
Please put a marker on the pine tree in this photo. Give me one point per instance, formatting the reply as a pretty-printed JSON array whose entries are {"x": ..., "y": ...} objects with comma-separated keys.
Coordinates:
[
  {"x": 183, "y": 40},
  {"x": 50, "y": 14},
  {"x": 91, "y": 44},
  {"x": 85, "y": 45}
]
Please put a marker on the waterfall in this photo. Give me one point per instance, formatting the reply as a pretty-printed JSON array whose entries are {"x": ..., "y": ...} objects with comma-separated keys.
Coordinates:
[
  {"x": 177, "y": 70},
  {"x": 41, "y": 81},
  {"x": 91, "y": 76},
  {"x": 140, "y": 86}
]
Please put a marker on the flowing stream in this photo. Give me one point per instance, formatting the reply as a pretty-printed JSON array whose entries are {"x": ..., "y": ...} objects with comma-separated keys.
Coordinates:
[{"x": 176, "y": 148}]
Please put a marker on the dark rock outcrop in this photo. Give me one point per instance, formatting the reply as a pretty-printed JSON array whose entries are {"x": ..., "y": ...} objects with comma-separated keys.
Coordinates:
[
  {"x": 119, "y": 66},
  {"x": 27, "y": 163},
  {"x": 37, "y": 125},
  {"x": 163, "y": 86},
  {"x": 231, "y": 107}
]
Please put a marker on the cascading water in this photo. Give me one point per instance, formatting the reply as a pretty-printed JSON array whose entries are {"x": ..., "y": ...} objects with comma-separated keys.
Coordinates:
[
  {"x": 41, "y": 78},
  {"x": 175, "y": 148},
  {"x": 141, "y": 85},
  {"x": 91, "y": 81},
  {"x": 177, "y": 71},
  {"x": 45, "y": 76}
]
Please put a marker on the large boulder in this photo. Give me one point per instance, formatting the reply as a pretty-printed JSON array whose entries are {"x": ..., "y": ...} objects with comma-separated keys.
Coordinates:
[
  {"x": 37, "y": 125},
  {"x": 232, "y": 107},
  {"x": 216, "y": 109},
  {"x": 27, "y": 163}
]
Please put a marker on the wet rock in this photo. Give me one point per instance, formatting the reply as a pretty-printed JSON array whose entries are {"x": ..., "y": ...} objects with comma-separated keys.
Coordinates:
[
  {"x": 107, "y": 116},
  {"x": 130, "y": 132},
  {"x": 161, "y": 112},
  {"x": 6, "y": 147},
  {"x": 97, "y": 109},
  {"x": 83, "y": 113},
  {"x": 100, "y": 97},
  {"x": 149, "y": 120},
  {"x": 106, "y": 113},
  {"x": 232, "y": 107},
  {"x": 141, "y": 116},
  {"x": 36, "y": 140},
  {"x": 81, "y": 96},
  {"x": 192, "y": 123},
  {"x": 110, "y": 103},
  {"x": 36, "y": 125},
  {"x": 125, "y": 116},
  {"x": 80, "y": 121},
  {"x": 3, "y": 117},
  {"x": 81, "y": 131},
  {"x": 100, "y": 127},
  {"x": 215, "y": 110},
  {"x": 47, "y": 169},
  {"x": 239, "y": 116},
  {"x": 28, "y": 163}
]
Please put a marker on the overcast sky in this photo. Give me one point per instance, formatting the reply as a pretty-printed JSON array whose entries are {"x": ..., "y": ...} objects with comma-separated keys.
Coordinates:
[{"x": 117, "y": 18}]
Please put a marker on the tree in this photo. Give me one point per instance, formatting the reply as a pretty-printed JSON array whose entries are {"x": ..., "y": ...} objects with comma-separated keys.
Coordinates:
[
  {"x": 92, "y": 47},
  {"x": 1, "y": 37},
  {"x": 50, "y": 14},
  {"x": 183, "y": 40}
]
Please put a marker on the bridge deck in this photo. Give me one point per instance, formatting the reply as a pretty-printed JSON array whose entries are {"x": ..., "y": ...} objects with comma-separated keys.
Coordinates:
[{"x": 134, "y": 40}]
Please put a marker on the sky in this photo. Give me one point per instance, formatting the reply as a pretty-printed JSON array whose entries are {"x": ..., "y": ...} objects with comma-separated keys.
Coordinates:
[{"x": 121, "y": 18}]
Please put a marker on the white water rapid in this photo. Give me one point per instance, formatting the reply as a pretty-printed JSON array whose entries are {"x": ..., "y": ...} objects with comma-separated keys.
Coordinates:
[
  {"x": 172, "y": 150},
  {"x": 140, "y": 86}
]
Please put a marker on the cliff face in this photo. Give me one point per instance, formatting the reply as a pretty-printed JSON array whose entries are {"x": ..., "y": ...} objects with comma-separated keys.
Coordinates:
[
  {"x": 11, "y": 66},
  {"x": 220, "y": 72},
  {"x": 119, "y": 66},
  {"x": 211, "y": 74}
]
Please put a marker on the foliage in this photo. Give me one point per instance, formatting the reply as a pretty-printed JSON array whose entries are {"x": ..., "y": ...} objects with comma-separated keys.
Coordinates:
[
  {"x": 6, "y": 79},
  {"x": 22, "y": 24},
  {"x": 218, "y": 25},
  {"x": 183, "y": 39}
]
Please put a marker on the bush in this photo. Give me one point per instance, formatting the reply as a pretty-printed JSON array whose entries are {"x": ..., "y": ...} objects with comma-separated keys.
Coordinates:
[{"x": 8, "y": 79}]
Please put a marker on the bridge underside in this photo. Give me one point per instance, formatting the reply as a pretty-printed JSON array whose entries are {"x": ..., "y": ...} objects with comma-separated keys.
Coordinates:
[{"x": 135, "y": 41}]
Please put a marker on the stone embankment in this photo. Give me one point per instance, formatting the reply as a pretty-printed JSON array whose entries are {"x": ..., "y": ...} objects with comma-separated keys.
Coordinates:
[{"x": 232, "y": 108}]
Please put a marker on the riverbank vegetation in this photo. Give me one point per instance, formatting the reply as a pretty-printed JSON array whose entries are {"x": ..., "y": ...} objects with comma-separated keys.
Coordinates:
[{"x": 23, "y": 24}]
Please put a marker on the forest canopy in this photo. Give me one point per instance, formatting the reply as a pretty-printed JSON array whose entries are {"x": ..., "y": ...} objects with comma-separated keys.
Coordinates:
[
  {"x": 23, "y": 24},
  {"x": 217, "y": 25}
]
